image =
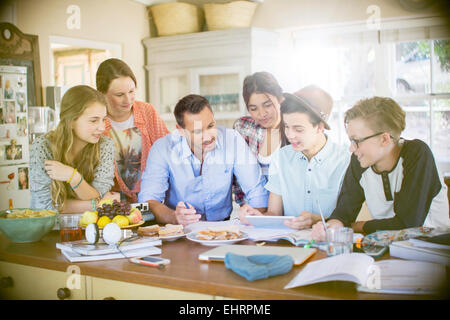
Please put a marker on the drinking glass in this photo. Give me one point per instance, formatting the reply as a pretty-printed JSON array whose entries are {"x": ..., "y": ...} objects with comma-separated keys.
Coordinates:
[
  {"x": 340, "y": 240},
  {"x": 69, "y": 227}
]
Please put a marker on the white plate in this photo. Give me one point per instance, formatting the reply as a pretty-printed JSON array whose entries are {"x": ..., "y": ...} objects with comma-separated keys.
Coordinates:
[
  {"x": 172, "y": 238},
  {"x": 193, "y": 237}
]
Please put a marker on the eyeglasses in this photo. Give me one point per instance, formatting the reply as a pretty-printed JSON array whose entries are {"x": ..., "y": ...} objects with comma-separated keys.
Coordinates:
[{"x": 356, "y": 142}]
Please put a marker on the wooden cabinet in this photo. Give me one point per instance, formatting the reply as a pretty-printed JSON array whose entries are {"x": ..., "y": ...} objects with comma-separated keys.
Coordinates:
[
  {"x": 31, "y": 283},
  {"x": 213, "y": 64},
  {"x": 105, "y": 288}
]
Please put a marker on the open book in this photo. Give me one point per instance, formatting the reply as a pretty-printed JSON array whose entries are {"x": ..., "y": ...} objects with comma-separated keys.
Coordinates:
[
  {"x": 296, "y": 237},
  {"x": 387, "y": 276},
  {"x": 82, "y": 247}
]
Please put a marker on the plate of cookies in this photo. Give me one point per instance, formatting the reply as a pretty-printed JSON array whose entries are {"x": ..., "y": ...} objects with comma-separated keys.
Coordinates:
[{"x": 217, "y": 236}]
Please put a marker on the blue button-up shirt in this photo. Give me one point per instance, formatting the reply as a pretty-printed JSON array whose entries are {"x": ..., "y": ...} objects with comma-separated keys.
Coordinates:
[
  {"x": 301, "y": 182},
  {"x": 173, "y": 174}
]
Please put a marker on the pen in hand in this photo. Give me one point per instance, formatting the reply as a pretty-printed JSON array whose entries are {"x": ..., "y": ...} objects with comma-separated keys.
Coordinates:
[{"x": 321, "y": 216}]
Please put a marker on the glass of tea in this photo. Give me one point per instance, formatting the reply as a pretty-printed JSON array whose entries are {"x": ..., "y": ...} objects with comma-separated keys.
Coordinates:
[{"x": 69, "y": 227}]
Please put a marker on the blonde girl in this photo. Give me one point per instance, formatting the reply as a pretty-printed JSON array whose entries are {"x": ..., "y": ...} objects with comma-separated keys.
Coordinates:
[{"x": 72, "y": 167}]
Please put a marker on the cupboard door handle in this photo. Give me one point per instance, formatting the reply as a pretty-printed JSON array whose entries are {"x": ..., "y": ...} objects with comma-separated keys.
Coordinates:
[
  {"x": 109, "y": 298},
  {"x": 6, "y": 282},
  {"x": 63, "y": 293}
]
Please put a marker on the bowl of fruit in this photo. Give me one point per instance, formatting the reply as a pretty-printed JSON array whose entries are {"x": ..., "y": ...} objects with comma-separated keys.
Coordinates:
[{"x": 108, "y": 211}]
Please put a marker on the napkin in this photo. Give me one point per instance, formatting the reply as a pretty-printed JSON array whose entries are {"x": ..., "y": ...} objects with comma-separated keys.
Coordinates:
[{"x": 260, "y": 266}]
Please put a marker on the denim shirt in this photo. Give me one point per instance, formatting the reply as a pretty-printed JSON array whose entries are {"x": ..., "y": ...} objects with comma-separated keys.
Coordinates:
[
  {"x": 173, "y": 174},
  {"x": 301, "y": 182}
]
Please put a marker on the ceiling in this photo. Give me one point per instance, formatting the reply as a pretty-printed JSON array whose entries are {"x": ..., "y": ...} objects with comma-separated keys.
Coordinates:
[{"x": 152, "y": 2}]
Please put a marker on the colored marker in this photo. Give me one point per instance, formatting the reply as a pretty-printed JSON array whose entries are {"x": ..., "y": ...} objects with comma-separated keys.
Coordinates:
[{"x": 309, "y": 244}]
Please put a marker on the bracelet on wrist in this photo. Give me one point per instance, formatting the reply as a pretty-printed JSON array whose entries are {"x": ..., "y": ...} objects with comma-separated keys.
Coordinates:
[
  {"x": 81, "y": 180},
  {"x": 97, "y": 200},
  {"x": 73, "y": 173},
  {"x": 94, "y": 207}
]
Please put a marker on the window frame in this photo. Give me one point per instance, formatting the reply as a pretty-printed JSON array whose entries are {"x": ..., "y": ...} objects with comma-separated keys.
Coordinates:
[{"x": 384, "y": 44}]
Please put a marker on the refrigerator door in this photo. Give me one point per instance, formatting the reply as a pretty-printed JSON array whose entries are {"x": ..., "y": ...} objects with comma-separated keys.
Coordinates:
[
  {"x": 15, "y": 186},
  {"x": 14, "y": 144}
]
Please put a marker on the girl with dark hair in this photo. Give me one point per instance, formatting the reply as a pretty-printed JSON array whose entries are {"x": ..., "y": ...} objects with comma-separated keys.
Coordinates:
[{"x": 261, "y": 130}]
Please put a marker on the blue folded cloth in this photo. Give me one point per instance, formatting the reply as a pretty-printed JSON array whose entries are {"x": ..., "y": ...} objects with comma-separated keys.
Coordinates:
[{"x": 258, "y": 266}]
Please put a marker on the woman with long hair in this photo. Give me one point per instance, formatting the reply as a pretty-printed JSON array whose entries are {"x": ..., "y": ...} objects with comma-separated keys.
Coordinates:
[
  {"x": 133, "y": 125},
  {"x": 72, "y": 167}
]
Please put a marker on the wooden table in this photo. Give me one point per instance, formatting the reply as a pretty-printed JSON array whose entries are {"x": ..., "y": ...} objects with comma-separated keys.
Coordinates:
[{"x": 185, "y": 273}]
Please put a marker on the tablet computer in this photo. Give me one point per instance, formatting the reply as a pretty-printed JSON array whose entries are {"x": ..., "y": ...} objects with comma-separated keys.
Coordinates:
[
  {"x": 299, "y": 255},
  {"x": 272, "y": 222}
]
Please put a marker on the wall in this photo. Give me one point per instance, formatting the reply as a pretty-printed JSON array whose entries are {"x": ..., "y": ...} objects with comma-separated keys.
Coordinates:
[
  {"x": 116, "y": 21},
  {"x": 287, "y": 14},
  {"x": 126, "y": 22},
  {"x": 273, "y": 13}
]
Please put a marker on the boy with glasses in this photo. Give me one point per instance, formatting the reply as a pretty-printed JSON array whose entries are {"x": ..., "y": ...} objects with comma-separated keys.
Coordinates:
[{"x": 397, "y": 178}]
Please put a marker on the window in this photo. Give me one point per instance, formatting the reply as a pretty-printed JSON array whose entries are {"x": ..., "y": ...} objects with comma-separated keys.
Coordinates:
[
  {"x": 423, "y": 90},
  {"x": 75, "y": 61},
  {"x": 74, "y": 66},
  {"x": 411, "y": 65}
]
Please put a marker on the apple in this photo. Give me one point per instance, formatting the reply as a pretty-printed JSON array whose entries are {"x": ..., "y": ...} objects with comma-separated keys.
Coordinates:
[
  {"x": 135, "y": 216},
  {"x": 88, "y": 217},
  {"x": 121, "y": 221}
]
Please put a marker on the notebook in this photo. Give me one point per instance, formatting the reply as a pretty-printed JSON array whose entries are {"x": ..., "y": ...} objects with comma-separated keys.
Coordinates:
[
  {"x": 299, "y": 255},
  {"x": 83, "y": 248},
  {"x": 441, "y": 241},
  {"x": 141, "y": 252},
  {"x": 411, "y": 250}
]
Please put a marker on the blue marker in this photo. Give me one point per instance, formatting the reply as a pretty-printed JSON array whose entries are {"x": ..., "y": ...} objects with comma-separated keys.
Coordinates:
[{"x": 186, "y": 204}]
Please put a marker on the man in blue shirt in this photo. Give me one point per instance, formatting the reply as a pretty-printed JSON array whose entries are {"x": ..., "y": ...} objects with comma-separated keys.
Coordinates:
[
  {"x": 311, "y": 168},
  {"x": 189, "y": 172}
]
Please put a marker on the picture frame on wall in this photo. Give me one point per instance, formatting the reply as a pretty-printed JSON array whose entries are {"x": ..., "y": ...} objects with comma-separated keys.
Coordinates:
[
  {"x": 10, "y": 111},
  {"x": 22, "y": 178},
  {"x": 13, "y": 151}
]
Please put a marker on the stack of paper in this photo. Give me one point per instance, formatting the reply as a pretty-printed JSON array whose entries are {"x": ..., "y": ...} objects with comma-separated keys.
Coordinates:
[
  {"x": 421, "y": 251},
  {"x": 78, "y": 251}
]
